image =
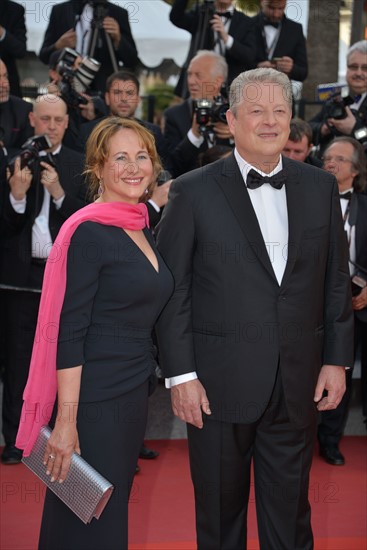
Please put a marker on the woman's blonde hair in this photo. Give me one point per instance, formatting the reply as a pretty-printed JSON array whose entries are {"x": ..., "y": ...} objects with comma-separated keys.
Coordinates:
[{"x": 98, "y": 145}]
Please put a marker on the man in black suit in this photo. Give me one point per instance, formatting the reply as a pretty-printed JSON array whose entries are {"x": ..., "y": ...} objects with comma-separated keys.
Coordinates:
[
  {"x": 15, "y": 128},
  {"x": 71, "y": 25},
  {"x": 260, "y": 322},
  {"x": 186, "y": 140},
  {"x": 38, "y": 201},
  {"x": 218, "y": 27},
  {"x": 345, "y": 158},
  {"x": 13, "y": 40},
  {"x": 354, "y": 124},
  {"x": 279, "y": 42}
]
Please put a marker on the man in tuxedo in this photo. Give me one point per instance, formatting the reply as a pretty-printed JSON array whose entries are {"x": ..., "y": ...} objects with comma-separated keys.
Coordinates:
[
  {"x": 354, "y": 123},
  {"x": 259, "y": 329},
  {"x": 71, "y": 25},
  {"x": 216, "y": 26},
  {"x": 13, "y": 40},
  {"x": 39, "y": 199},
  {"x": 345, "y": 159},
  {"x": 279, "y": 42},
  {"x": 186, "y": 139}
]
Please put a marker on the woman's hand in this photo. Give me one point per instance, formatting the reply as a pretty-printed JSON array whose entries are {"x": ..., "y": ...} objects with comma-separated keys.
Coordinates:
[{"x": 62, "y": 443}]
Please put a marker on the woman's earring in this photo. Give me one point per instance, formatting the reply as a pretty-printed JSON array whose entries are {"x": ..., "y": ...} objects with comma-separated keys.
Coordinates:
[{"x": 100, "y": 188}]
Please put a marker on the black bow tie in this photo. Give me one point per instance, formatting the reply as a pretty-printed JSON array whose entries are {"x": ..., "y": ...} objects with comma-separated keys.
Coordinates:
[
  {"x": 226, "y": 14},
  {"x": 274, "y": 24},
  {"x": 255, "y": 180},
  {"x": 347, "y": 196}
]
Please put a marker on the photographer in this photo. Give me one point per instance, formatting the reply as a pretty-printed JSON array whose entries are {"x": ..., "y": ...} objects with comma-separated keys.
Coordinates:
[
  {"x": 72, "y": 24},
  {"x": 215, "y": 25},
  {"x": 71, "y": 77},
  {"x": 346, "y": 116},
  {"x": 45, "y": 188},
  {"x": 344, "y": 158},
  {"x": 187, "y": 136}
]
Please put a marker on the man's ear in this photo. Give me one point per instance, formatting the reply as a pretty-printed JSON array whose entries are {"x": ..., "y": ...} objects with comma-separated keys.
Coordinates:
[
  {"x": 231, "y": 121},
  {"x": 31, "y": 118}
]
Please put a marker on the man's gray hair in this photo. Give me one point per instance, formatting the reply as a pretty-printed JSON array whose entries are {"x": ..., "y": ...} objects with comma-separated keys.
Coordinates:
[
  {"x": 360, "y": 47},
  {"x": 253, "y": 78},
  {"x": 220, "y": 67}
]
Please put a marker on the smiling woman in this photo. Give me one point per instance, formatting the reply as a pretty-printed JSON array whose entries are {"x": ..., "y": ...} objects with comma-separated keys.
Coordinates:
[{"x": 107, "y": 303}]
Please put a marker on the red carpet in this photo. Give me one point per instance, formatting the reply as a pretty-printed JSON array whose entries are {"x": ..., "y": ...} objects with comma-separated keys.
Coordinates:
[{"x": 162, "y": 512}]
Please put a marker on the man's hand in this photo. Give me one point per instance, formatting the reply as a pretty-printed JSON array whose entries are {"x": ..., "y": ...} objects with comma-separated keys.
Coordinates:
[
  {"x": 285, "y": 64},
  {"x": 360, "y": 302},
  {"x": 345, "y": 125},
  {"x": 160, "y": 193},
  {"x": 87, "y": 110},
  {"x": 221, "y": 130},
  {"x": 331, "y": 379},
  {"x": 189, "y": 401},
  {"x": 112, "y": 27},
  {"x": 50, "y": 179},
  {"x": 66, "y": 40},
  {"x": 20, "y": 181},
  {"x": 218, "y": 26}
]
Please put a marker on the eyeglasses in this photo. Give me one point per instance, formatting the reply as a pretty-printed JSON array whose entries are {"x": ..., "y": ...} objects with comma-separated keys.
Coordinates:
[
  {"x": 355, "y": 67},
  {"x": 335, "y": 159}
]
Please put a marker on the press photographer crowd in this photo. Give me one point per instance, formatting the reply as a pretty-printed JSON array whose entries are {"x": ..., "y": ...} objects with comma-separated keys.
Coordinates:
[{"x": 81, "y": 143}]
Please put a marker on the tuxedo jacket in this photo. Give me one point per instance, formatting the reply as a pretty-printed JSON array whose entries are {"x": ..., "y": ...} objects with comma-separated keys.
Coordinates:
[
  {"x": 318, "y": 120},
  {"x": 17, "y": 228},
  {"x": 291, "y": 43},
  {"x": 228, "y": 319},
  {"x": 14, "y": 119},
  {"x": 14, "y": 45},
  {"x": 62, "y": 19},
  {"x": 240, "y": 57},
  {"x": 358, "y": 209}
]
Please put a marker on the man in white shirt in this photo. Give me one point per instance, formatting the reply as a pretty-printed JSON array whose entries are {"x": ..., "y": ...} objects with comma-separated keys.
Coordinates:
[
  {"x": 258, "y": 332},
  {"x": 40, "y": 197}
]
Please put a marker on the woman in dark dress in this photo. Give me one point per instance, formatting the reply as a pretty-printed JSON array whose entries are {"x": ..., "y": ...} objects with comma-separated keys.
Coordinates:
[{"x": 116, "y": 287}]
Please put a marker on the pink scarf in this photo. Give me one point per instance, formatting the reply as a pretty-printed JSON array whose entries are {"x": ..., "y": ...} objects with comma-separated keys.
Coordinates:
[{"x": 40, "y": 392}]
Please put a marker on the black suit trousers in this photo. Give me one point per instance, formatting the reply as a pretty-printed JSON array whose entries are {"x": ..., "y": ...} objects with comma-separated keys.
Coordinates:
[{"x": 281, "y": 457}]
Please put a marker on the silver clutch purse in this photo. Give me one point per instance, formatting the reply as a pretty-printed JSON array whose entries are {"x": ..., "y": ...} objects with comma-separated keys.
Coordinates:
[{"x": 85, "y": 491}]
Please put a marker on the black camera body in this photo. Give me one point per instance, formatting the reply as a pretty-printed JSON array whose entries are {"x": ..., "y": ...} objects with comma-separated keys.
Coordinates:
[
  {"x": 75, "y": 81},
  {"x": 208, "y": 112},
  {"x": 30, "y": 150},
  {"x": 100, "y": 11},
  {"x": 335, "y": 107}
]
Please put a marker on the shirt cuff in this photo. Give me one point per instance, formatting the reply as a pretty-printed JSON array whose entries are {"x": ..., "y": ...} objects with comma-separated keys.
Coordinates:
[
  {"x": 18, "y": 205},
  {"x": 155, "y": 206},
  {"x": 229, "y": 42},
  {"x": 58, "y": 202},
  {"x": 196, "y": 141},
  {"x": 175, "y": 380}
]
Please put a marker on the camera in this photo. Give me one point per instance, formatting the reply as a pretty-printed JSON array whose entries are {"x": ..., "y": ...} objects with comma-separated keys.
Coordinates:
[
  {"x": 207, "y": 111},
  {"x": 100, "y": 11},
  {"x": 335, "y": 108},
  {"x": 75, "y": 81},
  {"x": 358, "y": 284},
  {"x": 30, "y": 150}
]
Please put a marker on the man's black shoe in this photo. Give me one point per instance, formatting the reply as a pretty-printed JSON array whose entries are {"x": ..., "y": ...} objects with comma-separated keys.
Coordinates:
[
  {"x": 332, "y": 455},
  {"x": 11, "y": 455},
  {"x": 147, "y": 453}
]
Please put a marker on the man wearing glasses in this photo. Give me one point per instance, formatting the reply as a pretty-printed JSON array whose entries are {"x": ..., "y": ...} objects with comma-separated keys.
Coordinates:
[{"x": 354, "y": 122}]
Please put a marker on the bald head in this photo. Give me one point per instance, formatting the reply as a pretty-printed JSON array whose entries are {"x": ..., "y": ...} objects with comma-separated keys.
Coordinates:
[{"x": 50, "y": 117}]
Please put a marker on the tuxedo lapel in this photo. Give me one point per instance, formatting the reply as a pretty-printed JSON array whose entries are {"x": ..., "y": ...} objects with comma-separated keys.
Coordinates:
[{"x": 234, "y": 189}]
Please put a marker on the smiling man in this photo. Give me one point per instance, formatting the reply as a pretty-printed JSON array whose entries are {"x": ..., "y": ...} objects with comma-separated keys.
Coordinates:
[{"x": 260, "y": 322}]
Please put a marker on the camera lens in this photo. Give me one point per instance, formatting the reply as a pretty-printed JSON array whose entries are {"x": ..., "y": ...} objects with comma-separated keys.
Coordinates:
[{"x": 85, "y": 73}]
